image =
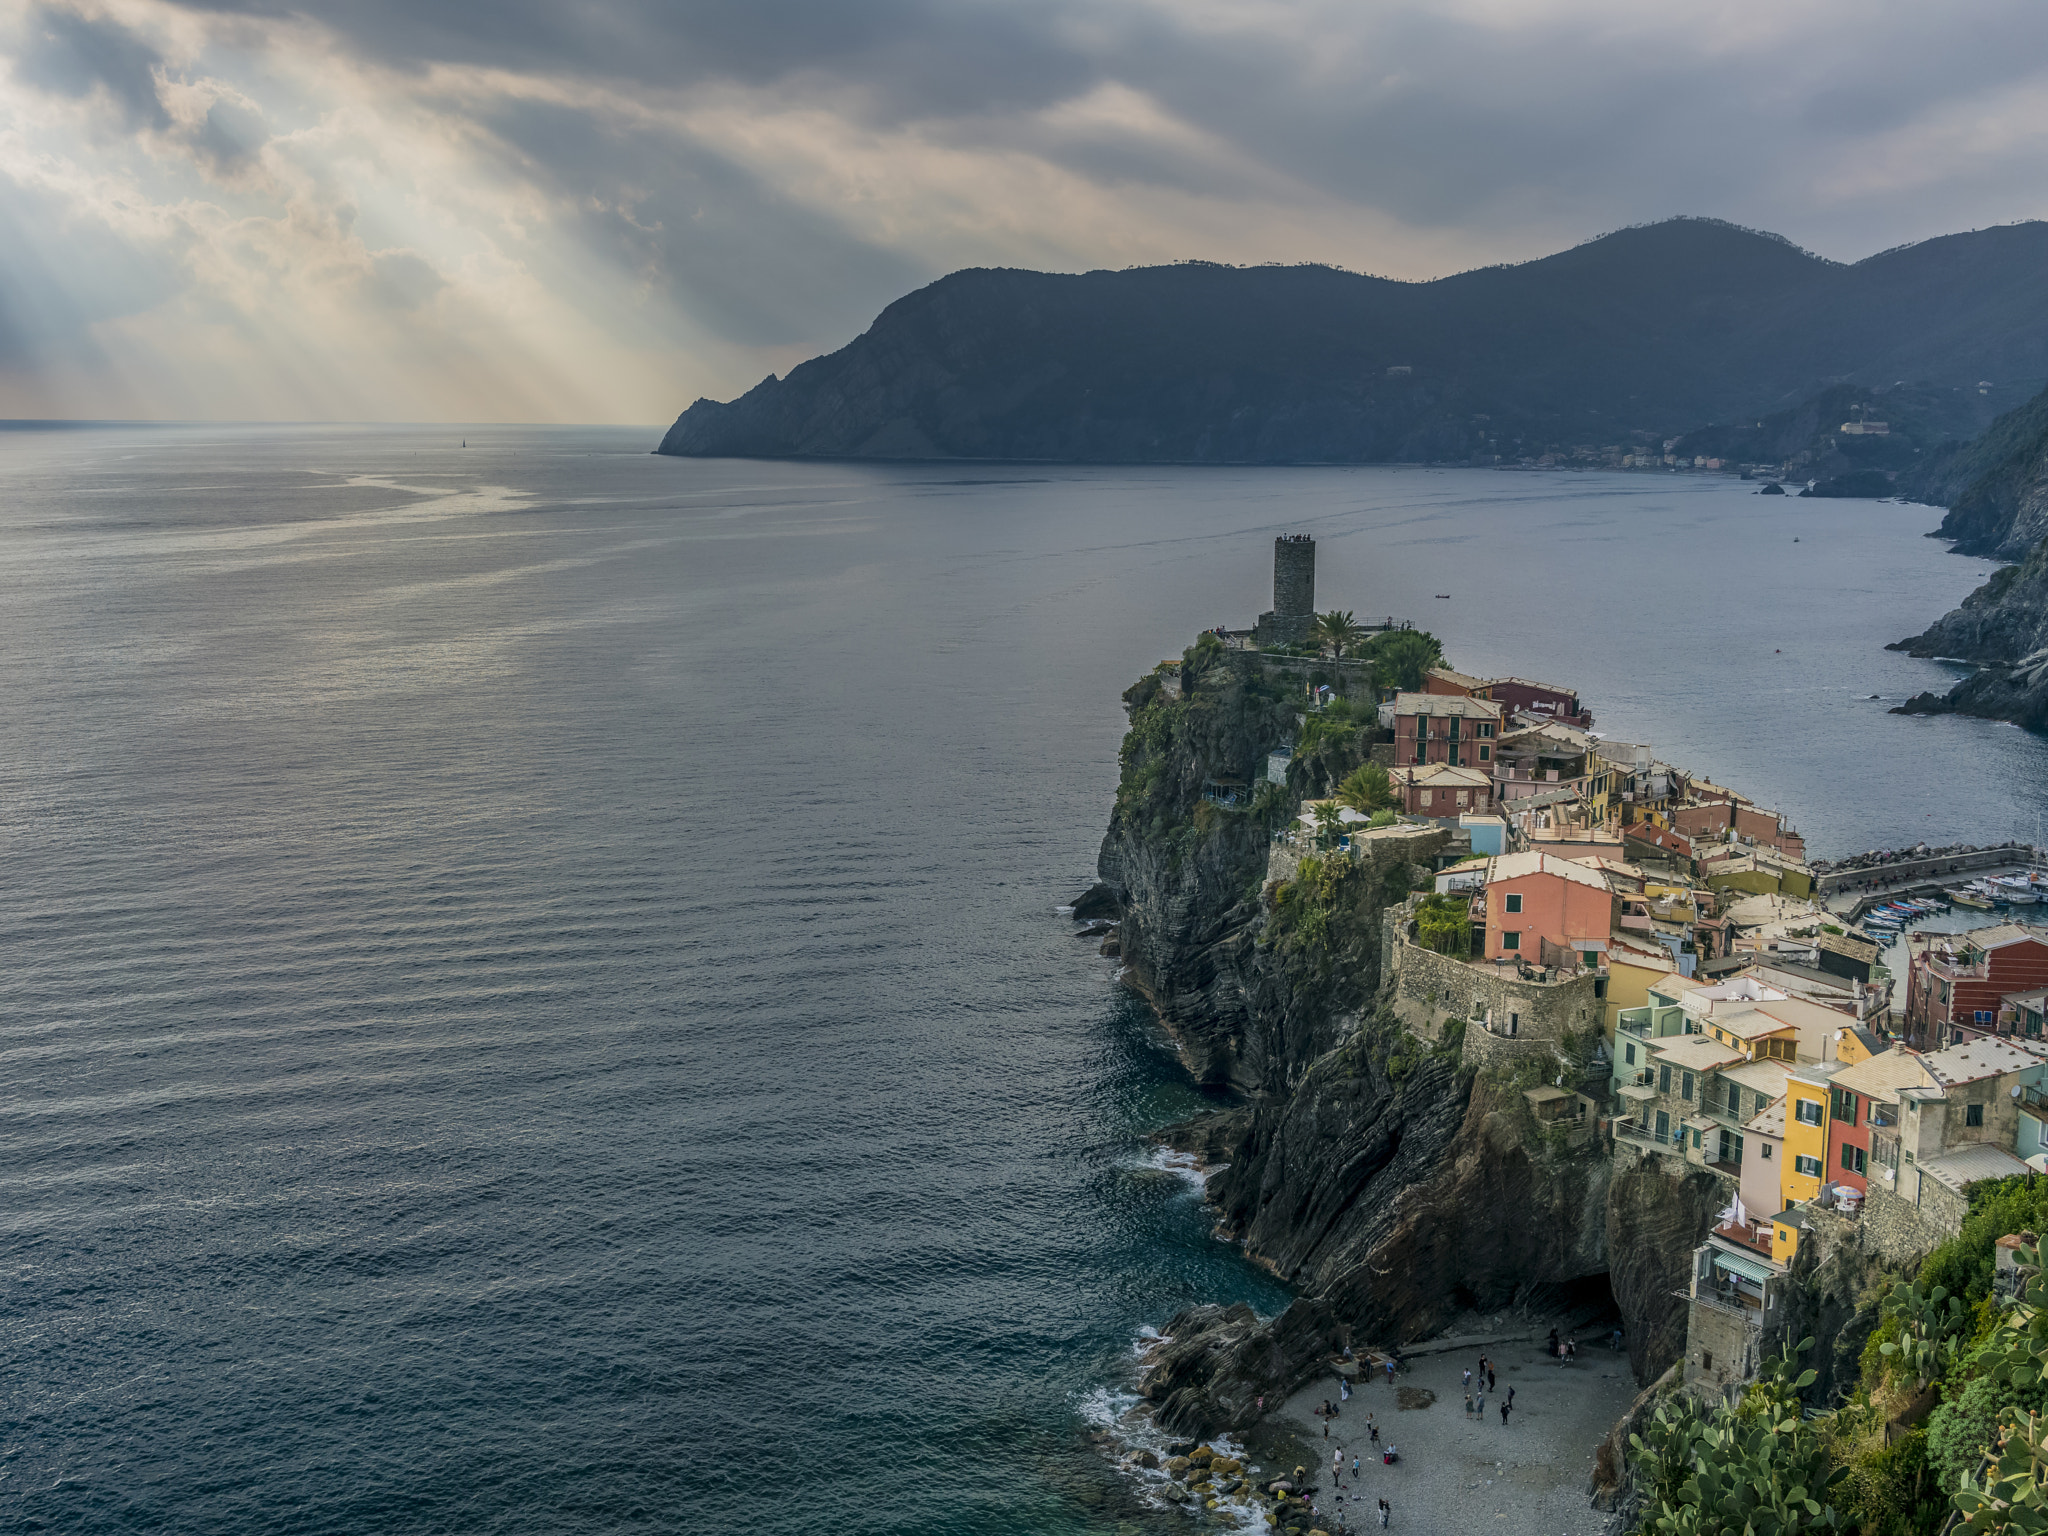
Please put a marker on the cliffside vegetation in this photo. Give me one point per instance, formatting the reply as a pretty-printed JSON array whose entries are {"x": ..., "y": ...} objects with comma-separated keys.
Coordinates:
[{"x": 1950, "y": 1375}]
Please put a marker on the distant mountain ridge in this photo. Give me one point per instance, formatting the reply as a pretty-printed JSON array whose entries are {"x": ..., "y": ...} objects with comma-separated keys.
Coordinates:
[{"x": 1647, "y": 331}]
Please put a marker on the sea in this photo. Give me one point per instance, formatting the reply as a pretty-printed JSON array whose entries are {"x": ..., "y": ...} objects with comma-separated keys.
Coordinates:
[{"x": 533, "y": 989}]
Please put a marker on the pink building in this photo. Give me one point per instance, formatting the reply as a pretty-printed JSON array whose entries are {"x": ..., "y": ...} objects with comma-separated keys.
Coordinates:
[{"x": 1539, "y": 908}]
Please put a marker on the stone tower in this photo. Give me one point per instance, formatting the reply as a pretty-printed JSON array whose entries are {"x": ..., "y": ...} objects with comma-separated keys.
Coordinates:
[{"x": 1294, "y": 591}]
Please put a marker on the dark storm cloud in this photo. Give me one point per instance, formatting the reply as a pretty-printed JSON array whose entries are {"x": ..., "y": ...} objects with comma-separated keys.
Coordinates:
[
  {"x": 69, "y": 55},
  {"x": 747, "y": 263},
  {"x": 918, "y": 57},
  {"x": 1434, "y": 116}
]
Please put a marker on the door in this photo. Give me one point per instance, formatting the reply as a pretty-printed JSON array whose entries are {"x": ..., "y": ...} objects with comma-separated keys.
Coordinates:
[{"x": 1663, "y": 1126}]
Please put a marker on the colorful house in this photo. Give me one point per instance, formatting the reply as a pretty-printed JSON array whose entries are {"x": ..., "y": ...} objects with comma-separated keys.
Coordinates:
[
  {"x": 1804, "y": 1167},
  {"x": 1863, "y": 1098},
  {"x": 1443, "y": 728},
  {"x": 1545, "y": 910},
  {"x": 1956, "y": 983}
]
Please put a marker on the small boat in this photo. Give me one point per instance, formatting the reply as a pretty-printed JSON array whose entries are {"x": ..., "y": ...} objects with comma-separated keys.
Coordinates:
[{"x": 1965, "y": 899}]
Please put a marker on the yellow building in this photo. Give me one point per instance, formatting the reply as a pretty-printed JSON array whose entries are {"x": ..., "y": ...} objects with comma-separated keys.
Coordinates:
[
  {"x": 1805, "y": 1163},
  {"x": 1785, "y": 1235},
  {"x": 1634, "y": 965}
]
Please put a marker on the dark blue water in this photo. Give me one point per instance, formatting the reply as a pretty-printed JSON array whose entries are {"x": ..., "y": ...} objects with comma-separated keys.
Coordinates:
[{"x": 530, "y": 998}]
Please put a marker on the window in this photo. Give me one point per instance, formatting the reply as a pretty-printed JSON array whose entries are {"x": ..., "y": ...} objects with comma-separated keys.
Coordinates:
[
  {"x": 1981, "y": 1015},
  {"x": 1843, "y": 1105},
  {"x": 1485, "y": 754},
  {"x": 1763, "y": 1150},
  {"x": 1810, "y": 1166},
  {"x": 1630, "y": 1052},
  {"x": 1807, "y": 1111},
  {"x": 1695, "y": 1141},
  {"x": 1514, "y": 1023},
  {"x": 1512, "y": 902},
  {"x": 1853, "y": 1158},
  {"x": 1685, "y": 1092},
  {"x": 1663, "y": 1126},
  {"x": 1706, "y": 1360},
  {"x": 1973, "y": 1114},
  {"x": 1664, "y": 1078},
  {"x": 1510, "y": 940}
]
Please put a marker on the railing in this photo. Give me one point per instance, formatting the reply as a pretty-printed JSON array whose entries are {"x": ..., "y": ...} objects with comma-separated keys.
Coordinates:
[
  {"x": 1751, "y": 1317},
  {"x": 1633, "y": 1130},
  {"x": 1748, "y": 1237}
]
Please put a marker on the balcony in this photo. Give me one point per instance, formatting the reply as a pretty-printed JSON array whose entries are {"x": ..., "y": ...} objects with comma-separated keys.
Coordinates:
[
  {"x": 1756, "y": 1240},
  {"x": 1643, "y": 1135},
  {"x": 1730, "y": 1304}
]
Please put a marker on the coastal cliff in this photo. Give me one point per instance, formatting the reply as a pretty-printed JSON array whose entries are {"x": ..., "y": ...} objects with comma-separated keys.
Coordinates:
[
  {"x": 2003, "y": 625},
  {"x": 1390, "y": 1171}
]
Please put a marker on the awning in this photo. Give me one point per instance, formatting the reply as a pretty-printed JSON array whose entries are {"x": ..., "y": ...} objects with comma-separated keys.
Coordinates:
[{"x": 1749, "y": 1269}]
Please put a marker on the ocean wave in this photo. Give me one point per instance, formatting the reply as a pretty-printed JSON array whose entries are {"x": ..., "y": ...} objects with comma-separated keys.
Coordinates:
[
  {"x": 1182, "y": 1165},
  {"x": 1126, "y": 1426}
]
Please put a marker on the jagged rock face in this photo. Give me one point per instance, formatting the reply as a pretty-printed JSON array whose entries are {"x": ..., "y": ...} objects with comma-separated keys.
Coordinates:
[
  {"x": 2001, "y": 507},
  {"x": 1222, "y": 1360},
  {"x": 1830, "y": 1297},
  {"x": 2002, "y": 621},
  {"x": 1401, "y": 1201},
  {"x": 2018, "y": 693},
  {"x": 1656, "y": 1217}
]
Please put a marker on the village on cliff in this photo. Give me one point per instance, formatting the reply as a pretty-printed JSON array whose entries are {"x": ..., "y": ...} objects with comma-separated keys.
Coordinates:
[{"x": 1680, "y": 980}]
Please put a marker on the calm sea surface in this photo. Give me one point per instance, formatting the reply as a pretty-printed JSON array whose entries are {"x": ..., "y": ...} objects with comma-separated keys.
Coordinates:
[{"x": 530, "y": 993}]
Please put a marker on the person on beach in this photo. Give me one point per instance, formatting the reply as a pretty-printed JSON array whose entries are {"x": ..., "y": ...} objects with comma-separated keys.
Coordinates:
[
  {"x": 1386, "y": 1513},
  {"x": 1504, "y": 1407},
  {"x": 1479, "y": 1401},
  {"x": 1511, "y": 1394},
  {"x": 1390, "y": 1372},
  {"x": 1468, "y": 1402},
  {"x": 1553, "y": 1341},
  {"x": 1354, "y": 1469},
  {"x": 1468, "y": 1383},
  {"x": 1343, "y": 1390},
  {"x": 1375, "y": 1433}
]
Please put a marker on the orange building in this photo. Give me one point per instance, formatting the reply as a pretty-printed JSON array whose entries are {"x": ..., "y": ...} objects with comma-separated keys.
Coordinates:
[{"x": 1538, "y": 904}]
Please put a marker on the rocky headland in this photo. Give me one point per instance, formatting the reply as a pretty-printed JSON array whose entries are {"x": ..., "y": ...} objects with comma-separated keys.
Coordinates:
[
  {"x": 1393, "y": 1176},
  {"x": 1624, "y": 340},
  {"x": 2003, "y": 625}
]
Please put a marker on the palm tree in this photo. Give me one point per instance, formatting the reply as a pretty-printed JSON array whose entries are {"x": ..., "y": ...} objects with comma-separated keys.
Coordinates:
[
  {"x": 1327, "y": 824},
  {"x": 1337, "y": 631},
  {"x": 1367, "y": 789}
]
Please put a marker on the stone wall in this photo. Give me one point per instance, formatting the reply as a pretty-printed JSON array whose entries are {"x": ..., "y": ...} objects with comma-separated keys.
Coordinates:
[
  {"x": 1721, "y": 1346},
  {"x": 2010, "y": 855},
  {"x": 1899, "y": 1231},
  {"x": 1429, "y": 989}
]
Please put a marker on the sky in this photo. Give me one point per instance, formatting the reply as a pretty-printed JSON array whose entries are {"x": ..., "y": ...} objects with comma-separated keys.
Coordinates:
[{"x": 599, "y": 210}]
